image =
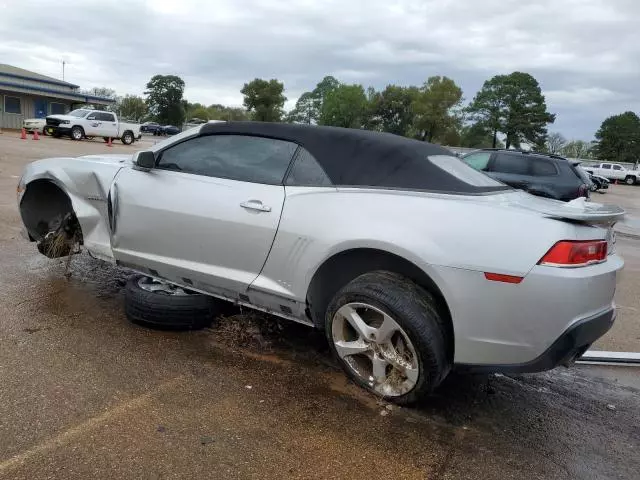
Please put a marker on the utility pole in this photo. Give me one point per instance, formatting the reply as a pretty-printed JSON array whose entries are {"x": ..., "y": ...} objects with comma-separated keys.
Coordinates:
[{"x": 63, "y": 64}]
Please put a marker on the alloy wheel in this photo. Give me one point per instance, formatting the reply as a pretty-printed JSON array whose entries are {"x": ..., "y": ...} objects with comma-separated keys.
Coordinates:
[{"x": 375, "y": 348}]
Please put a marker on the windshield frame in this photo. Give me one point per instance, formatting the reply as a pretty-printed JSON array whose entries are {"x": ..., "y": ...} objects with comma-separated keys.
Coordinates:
[{"x": 74, "y": 113}]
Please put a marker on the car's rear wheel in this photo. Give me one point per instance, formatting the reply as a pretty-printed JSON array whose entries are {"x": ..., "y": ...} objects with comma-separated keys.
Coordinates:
[
  {"x": 127, "y": 138},
  {"x": 630, "y": 180},
  {"x": 157, "y": 304},
  {"x": 77, "y": 133},
  {"x": 389, "y": 336}
]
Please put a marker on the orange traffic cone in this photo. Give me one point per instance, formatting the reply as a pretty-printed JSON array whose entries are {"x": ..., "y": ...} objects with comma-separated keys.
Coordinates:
[
  {"x": 35, "y": 135},
  {"x": 23, "y": 135},
  {"x": 109, "y": 142}
]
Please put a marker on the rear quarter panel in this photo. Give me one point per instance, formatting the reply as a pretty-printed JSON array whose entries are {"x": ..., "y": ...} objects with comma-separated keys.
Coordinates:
[{"x": 471, "y": 233}]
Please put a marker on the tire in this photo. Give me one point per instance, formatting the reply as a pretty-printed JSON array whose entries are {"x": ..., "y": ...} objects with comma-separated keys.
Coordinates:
[
  {"x": 127, "y": 138},
  {"x": 106, "y": 139},
  {"x": 414, "y": 311},
  {"x": 77, "y": 133},
  {"x": 44, "y": 131},
  {"x": 159, "y": 310},
  {"x": 630, "y": 180}
]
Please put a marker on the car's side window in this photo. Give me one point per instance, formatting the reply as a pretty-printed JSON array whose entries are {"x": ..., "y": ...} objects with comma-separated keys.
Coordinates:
[
  {"x": 106, "y": 117},
  {"x": 92, "y": 116},
  {"x": 306, "y": 171},
  {"x": 478, "y": 161},
  {"x": 236, "y": 157},
  {"x": 513, "y": 164},
  {"x": 606, "y": 166},
  {"x": 543, "y": 168},
  {"x": 617, "y": 167}
]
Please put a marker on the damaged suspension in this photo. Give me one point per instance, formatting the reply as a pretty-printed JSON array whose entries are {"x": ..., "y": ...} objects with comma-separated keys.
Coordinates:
[{"x": 63, "y": 237}]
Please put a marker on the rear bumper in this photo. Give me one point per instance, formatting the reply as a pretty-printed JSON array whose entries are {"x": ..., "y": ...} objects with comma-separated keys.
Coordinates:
[
  {"x": 498, "y": 323},
  {"x": 566, "y": 349}
]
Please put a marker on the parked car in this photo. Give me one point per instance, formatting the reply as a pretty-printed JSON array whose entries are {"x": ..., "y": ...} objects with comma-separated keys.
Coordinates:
[
  {"x": 34, "y": 125},
  {"x": 84, "y": 123},
  {"x": 540, "y": 174},
  {"x": 411, "y": 262},
  {"x": 599, "y": 183},
  {"x": 168, "y": 130},
  {"x": 614, "y": 171},
  {"x": 150, "y": 127}
]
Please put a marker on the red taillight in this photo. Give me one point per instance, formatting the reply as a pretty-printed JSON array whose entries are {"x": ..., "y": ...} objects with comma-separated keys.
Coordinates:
[{"x": 575, "y": 253}]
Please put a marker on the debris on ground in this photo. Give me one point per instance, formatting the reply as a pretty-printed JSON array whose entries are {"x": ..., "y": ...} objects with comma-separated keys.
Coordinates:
[
  {"x": 610, "y": 406},
  {"x": 249, "y": 329}
]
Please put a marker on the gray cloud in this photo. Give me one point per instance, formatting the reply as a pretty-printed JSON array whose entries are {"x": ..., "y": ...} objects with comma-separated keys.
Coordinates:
[{"x": 584, "y": 52}]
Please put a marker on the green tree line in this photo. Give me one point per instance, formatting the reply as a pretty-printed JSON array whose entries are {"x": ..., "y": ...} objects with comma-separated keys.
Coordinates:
[{"x": 508, "y": 111}]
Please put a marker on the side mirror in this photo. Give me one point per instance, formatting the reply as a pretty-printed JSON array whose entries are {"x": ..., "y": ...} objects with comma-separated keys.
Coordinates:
[{"x": 145, "y": 160}]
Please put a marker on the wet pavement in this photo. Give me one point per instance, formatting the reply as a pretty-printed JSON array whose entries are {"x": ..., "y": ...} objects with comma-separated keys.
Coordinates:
[{"x": 85, "y": 394}]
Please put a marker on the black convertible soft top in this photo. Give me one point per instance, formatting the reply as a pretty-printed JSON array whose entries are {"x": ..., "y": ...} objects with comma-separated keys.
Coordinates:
[{"x": 352, "y": 157}]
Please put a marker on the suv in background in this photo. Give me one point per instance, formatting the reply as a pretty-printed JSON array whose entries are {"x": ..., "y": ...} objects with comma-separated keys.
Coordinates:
[{"x": 540, "y": 174}]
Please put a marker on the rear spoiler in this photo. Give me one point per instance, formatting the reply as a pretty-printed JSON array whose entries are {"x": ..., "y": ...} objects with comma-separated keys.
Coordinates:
[
  {"x": 588, "y": 212},
  {"x": 579, "y": 210}
]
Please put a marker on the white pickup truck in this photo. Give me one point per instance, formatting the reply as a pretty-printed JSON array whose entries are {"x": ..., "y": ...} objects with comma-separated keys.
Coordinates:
[
  {"x": 84, "y": 123},
  {"x": 614, "y": 171}
]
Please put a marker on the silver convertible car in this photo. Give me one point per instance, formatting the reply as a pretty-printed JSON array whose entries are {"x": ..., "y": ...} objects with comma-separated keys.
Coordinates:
[{"x": 412, "y": 262}]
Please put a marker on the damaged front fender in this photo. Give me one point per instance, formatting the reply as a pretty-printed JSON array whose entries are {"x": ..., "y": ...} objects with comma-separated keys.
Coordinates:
[{"x": 86, "y": 182}]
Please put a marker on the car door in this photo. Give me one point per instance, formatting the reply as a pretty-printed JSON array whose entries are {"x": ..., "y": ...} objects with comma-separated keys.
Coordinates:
[
  {"x": 91, "y": 124},
  {"x": 206, "y": 215},
  {"x": 606, "y": 170},
  {"x": 108, "y": 125},
  {"x": 512, "y": 169},
  {"x": 547, "y": 181},
  {"x": 618, "y": 171}
]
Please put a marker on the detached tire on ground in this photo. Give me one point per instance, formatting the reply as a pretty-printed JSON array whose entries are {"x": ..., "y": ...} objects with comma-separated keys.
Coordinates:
[
  {"x": 159, "y": 305},
  {"x": 389, "y": 336}
]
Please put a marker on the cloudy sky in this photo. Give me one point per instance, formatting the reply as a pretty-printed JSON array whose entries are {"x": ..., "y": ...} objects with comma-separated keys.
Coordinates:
[{"x": 584, "y": 53}]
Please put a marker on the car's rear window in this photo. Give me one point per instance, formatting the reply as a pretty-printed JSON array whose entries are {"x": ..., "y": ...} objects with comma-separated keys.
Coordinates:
[{"x": 464, "y": 172}]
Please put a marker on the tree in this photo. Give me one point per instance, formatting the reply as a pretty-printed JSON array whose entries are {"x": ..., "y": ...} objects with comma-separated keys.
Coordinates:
[
  {"x": 305, "y": 110},
  {"x": 478, "y": 135},
  {"x": 514, "y": 105},
  {"x": 164, "y": 99},
  {"x": 391, "y": 110},
  {"x": 131, "y": 107},
  {"x": 555, "y": 143},
  {"x": 618, "y": 138},
  {"x": 103, "y": 92},
  {"x": 309, "y": 105},
  {"x": 344, "y": 106},
  {"x": 264, "y": 99},
  {"x": 434, "y": 108},
  {"x": 221, "y": 112},
  {"x": 577, "y": 149}
]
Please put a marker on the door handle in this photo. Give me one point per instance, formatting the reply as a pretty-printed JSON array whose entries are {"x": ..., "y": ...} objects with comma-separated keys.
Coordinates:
[{"x": 255, "y": 205}]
